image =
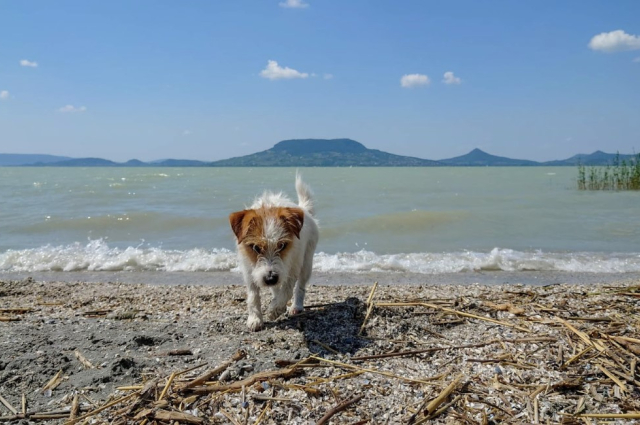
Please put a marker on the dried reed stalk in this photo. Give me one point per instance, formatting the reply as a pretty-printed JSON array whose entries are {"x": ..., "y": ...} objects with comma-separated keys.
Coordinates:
[{"x": 339, "y": 408}]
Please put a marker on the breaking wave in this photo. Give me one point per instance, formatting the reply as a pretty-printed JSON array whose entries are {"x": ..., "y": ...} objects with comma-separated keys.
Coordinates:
[{"x": 96, "y": 255}]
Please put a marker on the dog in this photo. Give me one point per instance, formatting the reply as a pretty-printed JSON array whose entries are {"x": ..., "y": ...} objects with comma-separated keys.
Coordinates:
[{"x": 276, "y": 240}]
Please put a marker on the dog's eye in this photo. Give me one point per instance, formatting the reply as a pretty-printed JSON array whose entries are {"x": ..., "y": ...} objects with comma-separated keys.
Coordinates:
[
  {"x": 281, "y": 246},
  {"x": 256, "y": 249}
]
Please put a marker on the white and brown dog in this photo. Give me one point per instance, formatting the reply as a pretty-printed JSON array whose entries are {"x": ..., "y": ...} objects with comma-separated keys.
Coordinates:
[{"x": 276, "y": 241}]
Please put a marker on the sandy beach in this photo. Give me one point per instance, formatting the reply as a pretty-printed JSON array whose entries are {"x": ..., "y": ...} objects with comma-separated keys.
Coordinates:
[{"x": 398, "y": 354}]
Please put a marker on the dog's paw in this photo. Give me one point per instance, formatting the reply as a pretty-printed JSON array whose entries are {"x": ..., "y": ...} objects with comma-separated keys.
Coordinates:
[
  {"x": 273, "y": 314},
  {"x": 294, "y": 310},
  {"x": 254, "y": 323}
]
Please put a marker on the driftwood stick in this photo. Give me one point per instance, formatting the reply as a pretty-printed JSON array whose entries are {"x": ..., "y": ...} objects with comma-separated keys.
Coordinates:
[
  {"x": 433, "y": 404},
  {"x": 237, "y": 386},
  {"x": 339, "y": 408},
  {"x": 165, "y": 415},
  {"x": 238, "y": 355}
]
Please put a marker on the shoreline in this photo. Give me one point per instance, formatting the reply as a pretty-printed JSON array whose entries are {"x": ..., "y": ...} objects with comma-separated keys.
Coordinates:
[
  {"x": 217, "y": 278},
  {"x": 504, "y": 345}
]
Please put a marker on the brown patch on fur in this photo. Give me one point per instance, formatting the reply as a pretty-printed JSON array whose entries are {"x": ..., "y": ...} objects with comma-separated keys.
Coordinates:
[
  {"x": 245, "y": 223},
  {"x": 293, "y": 219}
]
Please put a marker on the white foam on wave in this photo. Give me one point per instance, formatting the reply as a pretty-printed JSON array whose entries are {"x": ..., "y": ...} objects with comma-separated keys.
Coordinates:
[
  {"x": 496, "y": 260},
  {"x": 96, "y": 255}
]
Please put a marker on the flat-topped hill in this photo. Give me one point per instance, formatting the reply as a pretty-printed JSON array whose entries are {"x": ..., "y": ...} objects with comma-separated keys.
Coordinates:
[{"x": 323, "y": 153}]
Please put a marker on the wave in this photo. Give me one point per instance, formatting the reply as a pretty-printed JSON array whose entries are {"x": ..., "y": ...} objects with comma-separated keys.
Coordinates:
[{"x": 96, "y": 255}]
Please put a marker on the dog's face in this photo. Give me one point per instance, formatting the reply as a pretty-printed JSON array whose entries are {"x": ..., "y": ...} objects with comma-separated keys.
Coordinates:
[{"x": 265, "y": 237}]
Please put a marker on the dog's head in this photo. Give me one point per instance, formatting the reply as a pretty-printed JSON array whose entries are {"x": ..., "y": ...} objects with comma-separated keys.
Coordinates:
[{"x": 265, "y": 237}]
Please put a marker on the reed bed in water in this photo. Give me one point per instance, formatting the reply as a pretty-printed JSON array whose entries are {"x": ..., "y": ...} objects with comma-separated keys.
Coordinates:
[
  {"x": 359, "y": 355},
  {"x": 621, "y": 175}
]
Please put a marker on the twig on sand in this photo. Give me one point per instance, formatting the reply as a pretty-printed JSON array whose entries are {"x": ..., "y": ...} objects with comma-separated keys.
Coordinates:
[
  {"x": 433, "y": 404},
  {"x": 82, "y": 359},
  {"x": 53, "y": 382},
  {"x": 74, "y": 407},
  {"x": 628, "y": 415},
  {"x": 100, "y": 409},
  {"x": 339, "y": 408},
  {"x": 8, "y": 405},
  {"x": 456, "y": 312},
  {"x": 238, "y": 355},
  {"x": 237, "y": 386},
  {"x": 9, "y": 319},
  {"x": 369, "y": 307},
  {"x": 583, "y": 336},
  {"x": 378, "y": 372}
]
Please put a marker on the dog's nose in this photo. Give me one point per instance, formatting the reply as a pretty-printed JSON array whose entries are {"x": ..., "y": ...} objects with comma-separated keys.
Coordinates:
[{"x": 271, "y": 278}]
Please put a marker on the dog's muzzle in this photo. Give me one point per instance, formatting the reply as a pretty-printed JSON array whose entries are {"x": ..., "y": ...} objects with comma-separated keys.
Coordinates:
[{"x": 271, "y": 278}]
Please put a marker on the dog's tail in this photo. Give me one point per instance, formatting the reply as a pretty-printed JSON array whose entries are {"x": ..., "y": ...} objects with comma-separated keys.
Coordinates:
[{"x": 304, "y": 194}]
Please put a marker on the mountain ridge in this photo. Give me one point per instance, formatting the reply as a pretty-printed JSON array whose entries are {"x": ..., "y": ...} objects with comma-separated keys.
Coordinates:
[{"x": 316, "y": 153}]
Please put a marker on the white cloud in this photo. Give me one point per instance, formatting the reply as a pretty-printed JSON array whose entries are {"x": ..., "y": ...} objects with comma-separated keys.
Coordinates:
[
  {"x": 25, "y": 62},
  {"x": 4, "y": 94},
  {"x": 275, "y": 72},
  {"x": 414, "y": 80},
  {"x": 449, "y": 78},
  {"x": 186, "y": 132},
  {"x": 328, "y": 76},
  {"x": 71, "y": 108},
  {"x": 294, "y": 4},
  {"x": 636, "y": 60},
  {"x": 614, "y": 41}
]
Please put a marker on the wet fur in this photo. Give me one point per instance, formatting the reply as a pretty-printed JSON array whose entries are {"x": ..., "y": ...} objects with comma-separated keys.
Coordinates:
[{"x": 276, "y": 237}]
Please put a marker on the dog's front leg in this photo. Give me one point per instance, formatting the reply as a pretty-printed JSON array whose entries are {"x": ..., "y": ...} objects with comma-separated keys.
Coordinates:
[
  {"x": 281, "y": 297},
  {"x": 254, "y": 307}
]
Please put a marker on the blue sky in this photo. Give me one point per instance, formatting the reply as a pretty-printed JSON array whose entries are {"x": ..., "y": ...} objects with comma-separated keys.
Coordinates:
[{"x": 213, "y": 79}]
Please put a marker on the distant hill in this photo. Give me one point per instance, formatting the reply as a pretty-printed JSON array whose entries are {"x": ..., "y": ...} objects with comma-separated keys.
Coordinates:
[
  {"x": 316, "y": 153},
  {"x": 596, "y": 158},
  {"x": 323, "y": 153},
  {"x": 179, "y": 163},
  {"x": 14, "y": 159},
  {"x": 477, "y": 158},
  {"x": 83, "y": 162}
]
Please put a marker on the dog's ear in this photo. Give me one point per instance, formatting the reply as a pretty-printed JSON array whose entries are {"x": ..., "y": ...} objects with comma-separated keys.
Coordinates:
[
  {"x": 293, "y": 219},
  {"x": 235, "y": 219},
  {"x": 240, "y": 222}
]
